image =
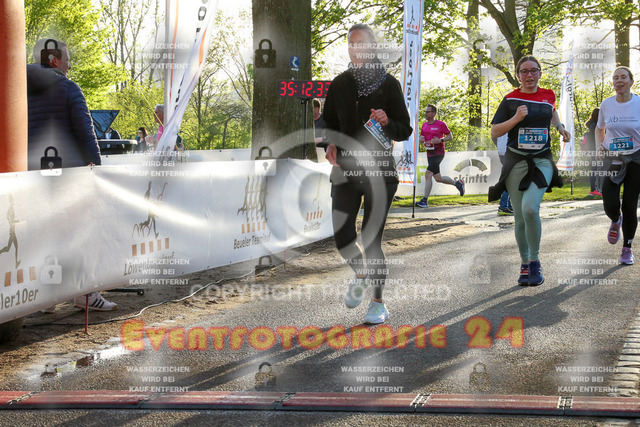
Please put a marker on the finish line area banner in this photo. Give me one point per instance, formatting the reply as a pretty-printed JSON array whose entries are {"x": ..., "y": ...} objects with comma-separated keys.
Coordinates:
[{"x": 98, "y": 228}]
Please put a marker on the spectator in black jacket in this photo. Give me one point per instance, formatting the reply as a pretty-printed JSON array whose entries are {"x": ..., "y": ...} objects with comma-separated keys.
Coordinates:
[
  {"x": 59, "y": 117},
  {"x": 363, "y": 164},
  {"x": 58, "y": 112}
]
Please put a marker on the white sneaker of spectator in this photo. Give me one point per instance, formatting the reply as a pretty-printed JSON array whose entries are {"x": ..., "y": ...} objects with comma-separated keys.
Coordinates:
[
  {"x": 96, "y": 302},
  {"x": 49, "y": 310}
]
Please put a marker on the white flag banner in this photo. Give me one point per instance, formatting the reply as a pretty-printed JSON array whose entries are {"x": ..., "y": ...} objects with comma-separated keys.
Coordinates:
[
  {"x": 187, "y": 42},
  {"x": 92, "y": 229},
  {"x": 565, "y": 162},
  {"x": 411, "y": 66}
]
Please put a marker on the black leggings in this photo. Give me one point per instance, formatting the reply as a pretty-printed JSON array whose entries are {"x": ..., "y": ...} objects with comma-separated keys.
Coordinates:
[
  {"x": 346, "y": 202},
  {"x": 611, "y": 201}
]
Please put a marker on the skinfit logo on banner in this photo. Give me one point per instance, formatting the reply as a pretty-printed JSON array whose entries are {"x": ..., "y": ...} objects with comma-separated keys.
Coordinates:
[{"x": 480, "y": 165}]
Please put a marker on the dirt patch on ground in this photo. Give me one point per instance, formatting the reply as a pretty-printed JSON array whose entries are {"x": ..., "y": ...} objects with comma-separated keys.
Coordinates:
[{"x": 62, "y": 334}]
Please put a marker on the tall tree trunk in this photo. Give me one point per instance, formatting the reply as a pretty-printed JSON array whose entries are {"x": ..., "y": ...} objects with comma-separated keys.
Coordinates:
[
  {"x": 621, "y": 30},
  {"x": 277, "y": 121},
  {"x": 474, "y": 90},
  {"x": 224, "y": 132},
  {"x": 199, "y": 113}
]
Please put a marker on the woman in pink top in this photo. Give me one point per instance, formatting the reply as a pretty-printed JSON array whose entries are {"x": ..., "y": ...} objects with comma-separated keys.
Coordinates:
[{"x": 433, "y": 135}]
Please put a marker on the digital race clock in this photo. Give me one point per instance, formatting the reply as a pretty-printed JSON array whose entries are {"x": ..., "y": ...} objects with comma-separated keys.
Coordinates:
[{"x": 304, "y": 88}]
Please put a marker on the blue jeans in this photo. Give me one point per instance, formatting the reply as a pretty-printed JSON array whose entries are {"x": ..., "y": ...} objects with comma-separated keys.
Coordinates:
[{"x": 505, "y": 200}]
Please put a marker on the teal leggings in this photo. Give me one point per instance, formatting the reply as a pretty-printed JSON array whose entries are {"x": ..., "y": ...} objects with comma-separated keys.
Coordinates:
[{"x": 526, "y": 208}]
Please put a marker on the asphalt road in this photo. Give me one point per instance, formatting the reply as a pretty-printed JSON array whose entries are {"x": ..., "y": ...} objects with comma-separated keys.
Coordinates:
[{"x": 487, "y": 335}]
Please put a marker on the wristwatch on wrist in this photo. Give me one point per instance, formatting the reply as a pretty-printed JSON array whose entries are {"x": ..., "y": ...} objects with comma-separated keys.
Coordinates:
[{"x": 558, "y": 126}]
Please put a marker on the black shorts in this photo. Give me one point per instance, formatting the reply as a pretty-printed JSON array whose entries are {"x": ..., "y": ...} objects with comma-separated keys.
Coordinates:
[{"x": 434, "y": 164}]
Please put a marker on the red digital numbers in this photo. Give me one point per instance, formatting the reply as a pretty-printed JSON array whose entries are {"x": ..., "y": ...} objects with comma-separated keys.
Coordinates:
[
  {"x": 308, "y": 88},
  {"x": 325, "y": 88},
  {"x": 304, "y": 88}
]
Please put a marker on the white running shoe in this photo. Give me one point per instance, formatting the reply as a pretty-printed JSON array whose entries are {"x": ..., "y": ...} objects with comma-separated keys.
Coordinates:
[
  {"x": 96, "y": 302},
  {"x": 49, "y": 310},
  {"x": 377, "y": 313},
  {"x": 354, "y": 294}
]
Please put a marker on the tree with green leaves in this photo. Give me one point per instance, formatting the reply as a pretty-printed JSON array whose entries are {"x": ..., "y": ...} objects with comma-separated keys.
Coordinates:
[
  {"x": 125, "y": 22},
  {"x": 75, "y": 22},
  {"x": 622, "y": 13}
]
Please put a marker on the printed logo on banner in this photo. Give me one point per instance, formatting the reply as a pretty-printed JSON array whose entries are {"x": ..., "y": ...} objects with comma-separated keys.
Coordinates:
[
  {"x": 255, "y": 204},
  {"x": 147, "y": 239},
  {"x": 15, "y": 276},
  {"x": 313, "y": 213},
  {"x": 412, "y": 24},
  {"x": 254, "y": 208},
  {"x": 405, "y": 164},
  {"x": 474, "y": 171}
]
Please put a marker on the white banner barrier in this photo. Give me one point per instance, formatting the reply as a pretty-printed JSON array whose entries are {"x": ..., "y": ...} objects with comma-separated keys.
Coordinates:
[
  {"x": 188, "y": 156},
  {"x": 93, "y": 229},
  {"x": 478, "y": 169}
]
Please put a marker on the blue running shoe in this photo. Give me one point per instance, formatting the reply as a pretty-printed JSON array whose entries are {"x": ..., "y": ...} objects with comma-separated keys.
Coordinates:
[
  {"x": 535, "y": 274},
  {"x": 523, "y": 280},
  {"x": 460, "y": 186},
  {"x": 422, "y": 203}
]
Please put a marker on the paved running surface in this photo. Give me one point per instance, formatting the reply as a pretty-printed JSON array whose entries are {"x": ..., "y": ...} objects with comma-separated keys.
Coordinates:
[{"x": 458, "y": 325}]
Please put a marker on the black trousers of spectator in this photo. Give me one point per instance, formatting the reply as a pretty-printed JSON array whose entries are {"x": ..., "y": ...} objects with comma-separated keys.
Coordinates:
[
  {"x": 611, "y": 201},
  {"x": 346, "y": 203}
]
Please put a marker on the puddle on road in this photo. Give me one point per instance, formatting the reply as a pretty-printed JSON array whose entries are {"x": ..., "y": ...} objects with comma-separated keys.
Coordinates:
[
  {"x": 57, "y": 368},
  {"x": 490, "y": 226}
]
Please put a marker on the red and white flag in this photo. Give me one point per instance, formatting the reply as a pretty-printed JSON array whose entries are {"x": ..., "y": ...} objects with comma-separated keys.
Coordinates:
[
  {"x": 567, "y": 151},
  {"x": 187, "y": 44},
  {"x": 411, "y": 66}
]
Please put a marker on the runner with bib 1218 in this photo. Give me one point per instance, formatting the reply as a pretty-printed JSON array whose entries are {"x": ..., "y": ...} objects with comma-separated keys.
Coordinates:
[{"x": 532, "y": 138}]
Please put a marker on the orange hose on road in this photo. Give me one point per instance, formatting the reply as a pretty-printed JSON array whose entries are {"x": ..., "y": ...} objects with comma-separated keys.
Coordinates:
[{"x": 13, "y": 89}]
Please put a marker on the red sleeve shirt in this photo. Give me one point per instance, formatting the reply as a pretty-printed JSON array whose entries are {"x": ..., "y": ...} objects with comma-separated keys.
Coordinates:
[{"x": 540, "y": 106}]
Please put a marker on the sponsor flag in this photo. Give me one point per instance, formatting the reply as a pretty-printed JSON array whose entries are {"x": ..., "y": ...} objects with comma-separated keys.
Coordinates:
[
  {"x": 565, "y": 162},
  {"x": 187, "y": 44},
  {"x": 411, "y": 66}
]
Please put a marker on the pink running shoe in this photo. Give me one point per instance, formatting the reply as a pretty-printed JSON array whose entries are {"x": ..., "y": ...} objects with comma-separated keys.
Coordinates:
[
  {"x": 627, "y": 257},
  {"x": 614, "y": 231}
]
